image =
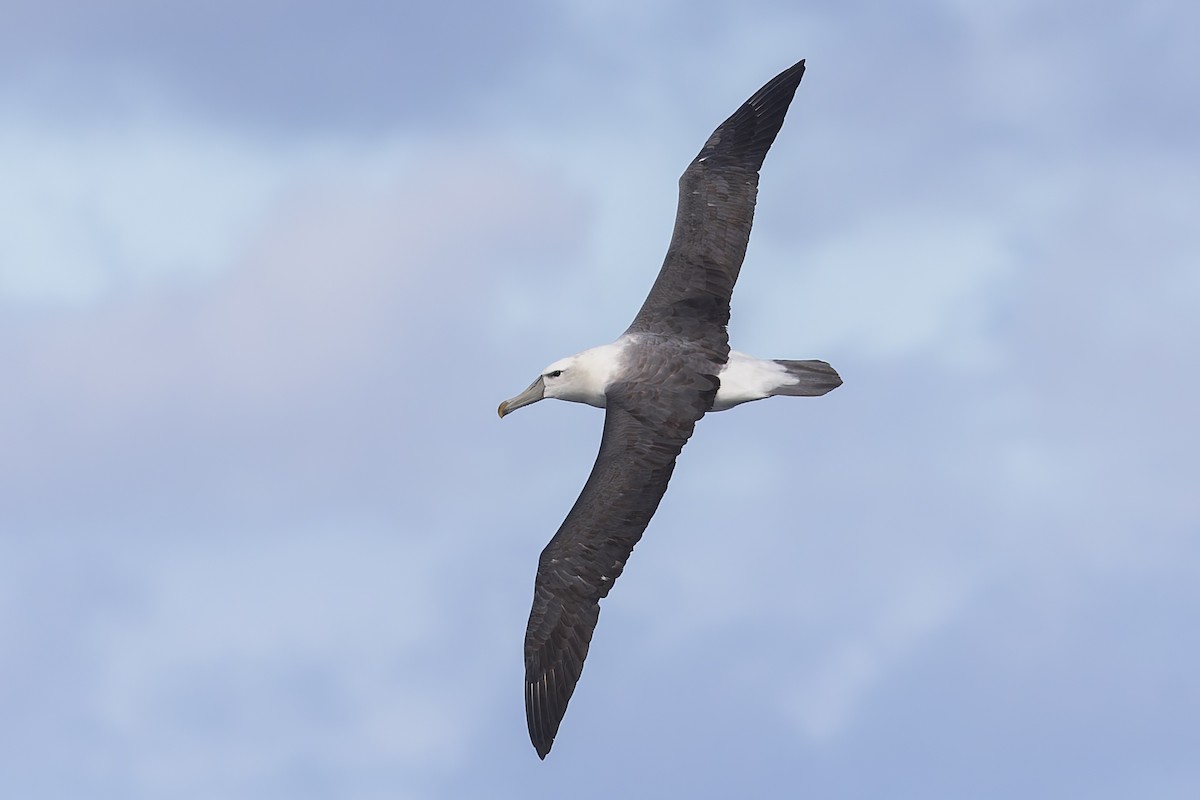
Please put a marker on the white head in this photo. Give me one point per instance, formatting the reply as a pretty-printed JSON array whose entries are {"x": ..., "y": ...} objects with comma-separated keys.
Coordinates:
[{"x": 581, "y": 378}]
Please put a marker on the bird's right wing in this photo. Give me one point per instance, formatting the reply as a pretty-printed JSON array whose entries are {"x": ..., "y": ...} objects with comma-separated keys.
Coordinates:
[{"x": 644, "y": 430}]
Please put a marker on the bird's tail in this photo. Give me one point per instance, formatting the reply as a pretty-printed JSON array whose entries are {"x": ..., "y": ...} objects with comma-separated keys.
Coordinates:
[{"x": 814, "y": 378}]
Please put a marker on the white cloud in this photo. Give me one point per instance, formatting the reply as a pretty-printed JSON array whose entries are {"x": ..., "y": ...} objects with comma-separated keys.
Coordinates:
[
  {"x": 100, "y": 208},
  {"x": 826, "y": 694},
  {"x": 890, "y": 287},
  {"x": 155, "y": 197},
  {"x": 321, "y": 630}
]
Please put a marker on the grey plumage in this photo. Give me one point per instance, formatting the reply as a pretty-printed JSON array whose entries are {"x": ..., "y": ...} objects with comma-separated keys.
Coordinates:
[
  {"x": 670, "y": 362},
  {"x": 813, "y": 378}
]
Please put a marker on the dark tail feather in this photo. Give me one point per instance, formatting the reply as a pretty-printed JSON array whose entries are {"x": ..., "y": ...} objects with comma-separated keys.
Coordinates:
[{"x": 816, "y": 378}]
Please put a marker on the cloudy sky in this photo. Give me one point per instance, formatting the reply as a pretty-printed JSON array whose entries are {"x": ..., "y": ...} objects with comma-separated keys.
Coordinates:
[{"x": 266, "y": 270}]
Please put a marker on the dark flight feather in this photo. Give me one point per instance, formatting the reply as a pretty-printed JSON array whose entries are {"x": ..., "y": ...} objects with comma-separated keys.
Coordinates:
[{"x": 651, "y": 415}]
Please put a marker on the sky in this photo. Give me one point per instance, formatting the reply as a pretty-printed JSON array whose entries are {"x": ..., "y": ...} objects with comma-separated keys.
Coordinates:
[{"x": 267, "y": 269}]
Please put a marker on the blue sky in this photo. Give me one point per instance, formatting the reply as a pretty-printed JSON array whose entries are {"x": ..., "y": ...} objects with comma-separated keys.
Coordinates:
[{"x": 266, "y": 271}]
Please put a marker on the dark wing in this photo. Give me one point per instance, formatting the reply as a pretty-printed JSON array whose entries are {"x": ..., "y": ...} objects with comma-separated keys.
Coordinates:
[
  {"x": 691, "y": 296},
  {"x": 644, "y": 430}
]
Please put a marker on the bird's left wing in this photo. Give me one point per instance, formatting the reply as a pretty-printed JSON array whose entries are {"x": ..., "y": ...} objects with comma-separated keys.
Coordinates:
[
  {"x": 644, "y": 431},
  {"x": 690, "y": 297}
]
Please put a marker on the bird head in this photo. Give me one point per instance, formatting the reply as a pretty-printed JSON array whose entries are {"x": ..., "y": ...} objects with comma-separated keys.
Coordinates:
[{"x": 556, "y": 380}]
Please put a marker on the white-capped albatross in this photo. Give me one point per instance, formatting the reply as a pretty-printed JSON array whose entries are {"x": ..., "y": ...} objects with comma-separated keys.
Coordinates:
[{"x": 666, "y": 371}]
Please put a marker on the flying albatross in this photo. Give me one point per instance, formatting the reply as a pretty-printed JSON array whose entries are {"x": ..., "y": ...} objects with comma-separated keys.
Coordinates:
[{"x": 663, "y": 374}]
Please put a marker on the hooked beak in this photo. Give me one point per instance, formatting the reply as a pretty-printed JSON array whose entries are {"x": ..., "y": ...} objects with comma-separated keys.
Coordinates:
[{"x": 535, "y": 392}]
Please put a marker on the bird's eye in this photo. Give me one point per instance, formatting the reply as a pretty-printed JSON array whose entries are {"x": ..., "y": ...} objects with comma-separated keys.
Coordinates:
[{"x": 554, "y": 374}]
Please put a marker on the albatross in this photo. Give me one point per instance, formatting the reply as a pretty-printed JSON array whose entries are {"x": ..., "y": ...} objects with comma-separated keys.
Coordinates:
[{"x": 670, "y": 367}]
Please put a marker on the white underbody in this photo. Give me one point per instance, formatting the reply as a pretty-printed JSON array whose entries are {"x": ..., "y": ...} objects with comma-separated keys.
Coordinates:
[
  {"x": 585, "y": 376},
  {"x": 745, "y": 378}
]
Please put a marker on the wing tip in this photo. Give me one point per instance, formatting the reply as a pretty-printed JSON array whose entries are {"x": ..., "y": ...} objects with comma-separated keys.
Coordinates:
[
  {"x": 788, "y": 77},
  {"x": 785, "y": 82},
  {"x": 542, "y": 729},
  {"x": 749, "y": 132}
]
